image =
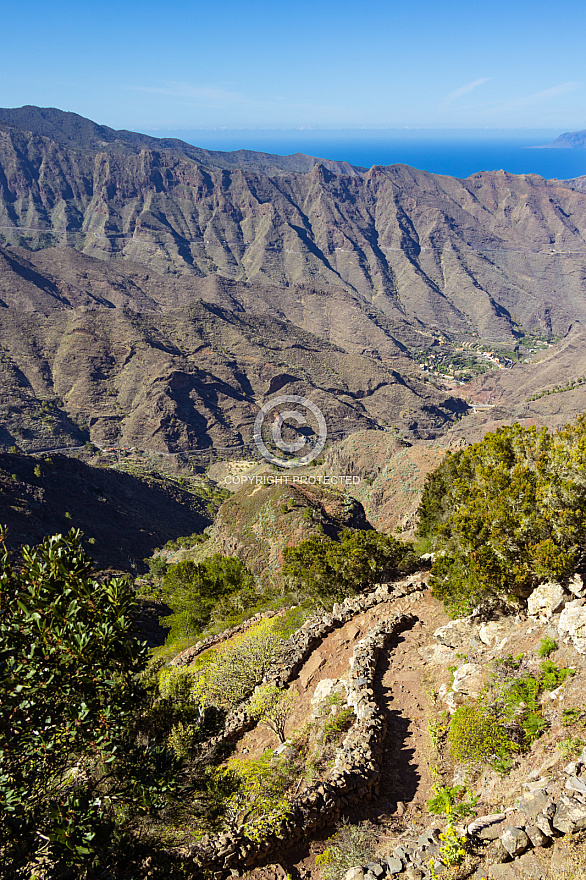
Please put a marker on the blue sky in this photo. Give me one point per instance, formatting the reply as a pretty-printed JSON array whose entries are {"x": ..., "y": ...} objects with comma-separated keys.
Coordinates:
[{"x": 315, "y": 63}]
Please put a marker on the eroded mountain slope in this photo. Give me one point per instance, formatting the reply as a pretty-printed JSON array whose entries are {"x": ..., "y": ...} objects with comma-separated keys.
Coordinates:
[{"x": 479, "y": 255}]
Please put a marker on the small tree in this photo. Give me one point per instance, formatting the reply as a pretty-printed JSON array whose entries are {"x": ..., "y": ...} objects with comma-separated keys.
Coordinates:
[
  {"x": 272, "y": 706},
  {"x": 231, "y": 672},
  {"x": 71, "y": 762},
  {"x": 193, "y": 589}
]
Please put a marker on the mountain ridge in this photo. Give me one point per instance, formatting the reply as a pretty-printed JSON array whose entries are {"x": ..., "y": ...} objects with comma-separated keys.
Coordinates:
[
  {"x": 161, "y": 299},
  {"x": 483, "y": 255},
  {"x": 72, "y": 130}
]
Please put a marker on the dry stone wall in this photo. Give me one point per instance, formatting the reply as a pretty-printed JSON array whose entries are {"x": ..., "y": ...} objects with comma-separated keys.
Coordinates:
[
  {"x": 510, "y": 850},
  {"x": 300, "y": 645},
  {"x": 356, "y": 772},
  {"x": 184, "y": 658}
]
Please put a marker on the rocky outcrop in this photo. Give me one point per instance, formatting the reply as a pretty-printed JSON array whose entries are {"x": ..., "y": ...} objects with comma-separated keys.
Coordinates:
[
  {"x": 507, "y": 849},
  {"x": 546, "y": 600},
  {"x": 572, "y": 624}
]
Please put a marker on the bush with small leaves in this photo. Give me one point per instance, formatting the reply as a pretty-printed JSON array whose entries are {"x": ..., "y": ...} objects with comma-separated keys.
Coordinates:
[
  {"x": 227, "y": 675},
  {"x": 351, "y": 845},
  {"x": 507, "y": 513},
  {"x": 74, "y": 767},
  {"x": 547, "y": 647},
  {"x": 257, "y": 803},
  {"x": 328, "y": 570},
  {"x": 476, "y": 736},
  {"x": 194, "y": 589},
  {"x": 453, "y": 802}
]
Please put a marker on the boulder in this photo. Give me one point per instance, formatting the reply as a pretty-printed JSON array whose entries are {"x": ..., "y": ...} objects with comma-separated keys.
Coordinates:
[
  {"x": 570, "y": 815},
  {"x": 534, "y": 802},
  {"x": 573, "y": 624},
  {"x": 429, "y": 838},
  {"x": 394, "y": 866},
  {"x": 577, "y": 587},
  {"x": 546, "y": 600},
  {"x": 515, "y": 841},
  {"x": 354, "y": 874},
  {"x": 468, "y": 680},
  {"x": 483, "y": 826},
  {"x": 455, "y": 634},
  {"x": 536, "y": 835},
  {"x": 577, "y": 785},
  {"x": 544, "y": 825},
  {"x": 438, "y": 655},
  {"x": 311, "y": 668},
  {"x": 326, "y": 688},
  {"x": 495, "y": 853},
  {"x": 490, "y": 633},
  {"x": 528, "y": 867}
]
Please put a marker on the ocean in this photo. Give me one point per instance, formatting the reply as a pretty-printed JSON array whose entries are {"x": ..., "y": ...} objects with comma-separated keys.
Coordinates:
[{"x": 457, "y": 153}]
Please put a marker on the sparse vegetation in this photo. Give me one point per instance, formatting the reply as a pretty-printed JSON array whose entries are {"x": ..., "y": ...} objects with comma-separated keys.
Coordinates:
[
  {"x": 507, "y": 717},
  {"x": 547, "y": 647},
  {"x": 571, "y": 747},
  {"x": 453, "y": 802},
  {"x": 351, "y": 845}
]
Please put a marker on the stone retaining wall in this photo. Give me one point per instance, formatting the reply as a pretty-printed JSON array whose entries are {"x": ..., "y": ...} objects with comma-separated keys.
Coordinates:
[
  {"x": 300, "y": 645},
  {"x": 184, "y": 658},
  {"x": 510, "y": 850},
  {"x": 356, "y": 772}
]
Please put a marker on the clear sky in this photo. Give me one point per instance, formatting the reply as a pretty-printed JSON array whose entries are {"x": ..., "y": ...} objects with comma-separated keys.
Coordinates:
[{"x": 316, "y": 63}]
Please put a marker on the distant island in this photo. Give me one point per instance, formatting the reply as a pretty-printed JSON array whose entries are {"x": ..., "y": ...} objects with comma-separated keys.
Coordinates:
[{"x": 569, "y": 140}]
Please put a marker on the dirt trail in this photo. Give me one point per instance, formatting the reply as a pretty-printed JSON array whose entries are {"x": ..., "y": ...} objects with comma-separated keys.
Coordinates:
[
  {"x": 402, "y": 688},
  {"x": 329, "y": 660}
]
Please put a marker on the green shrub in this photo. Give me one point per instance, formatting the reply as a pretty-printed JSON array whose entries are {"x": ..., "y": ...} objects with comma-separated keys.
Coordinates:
[
  {"x": 257, "y": 803},
  {"x": 74, "y": 768},
  {"x": 351, "y": 845},
  {"x": 453, "y": 802},
  {"x": 227, "y": 675},
  {"x": 341, "y": 721},
  {"x": 571, "y": 716},
  {"x": 272, "y": 706},
  {"x": 476, "y": 736},
  {"x": 553, "y": 676},
  {"x": 515, "y": 695},
  {"x": 329, "y": 570},
  {"x": 452, "y": 850},
  {"x": 547, "y": 647},
  {"x": 194, "y": 589},
  {"x": 508, "y": 512}
]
